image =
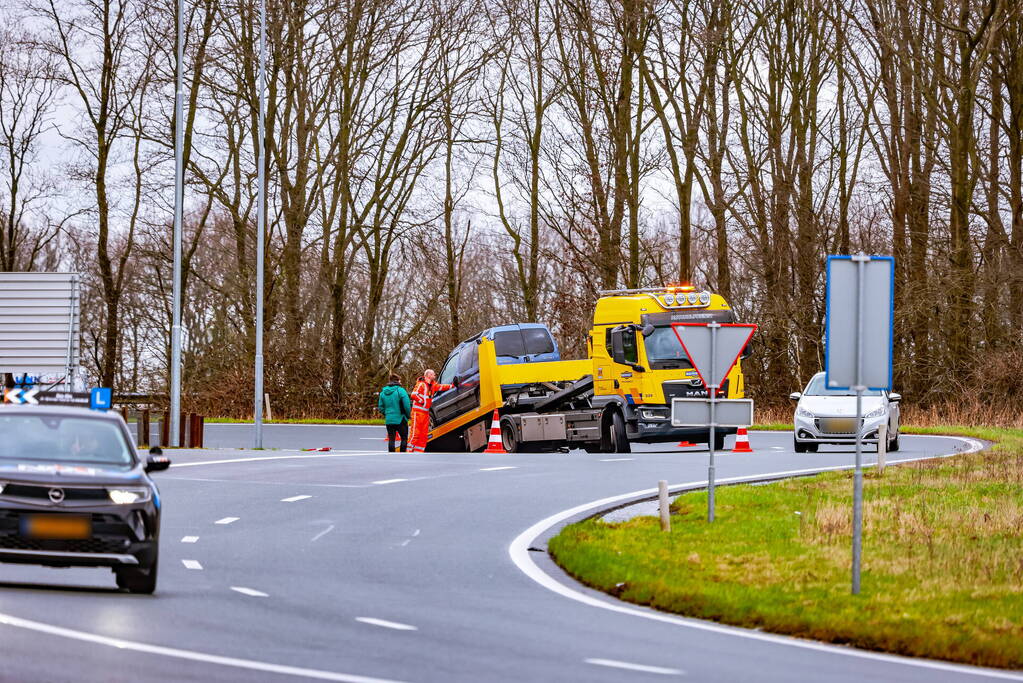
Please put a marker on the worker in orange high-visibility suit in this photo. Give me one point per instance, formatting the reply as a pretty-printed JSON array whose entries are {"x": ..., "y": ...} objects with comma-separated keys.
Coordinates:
[{"x": 422, "y": 399}]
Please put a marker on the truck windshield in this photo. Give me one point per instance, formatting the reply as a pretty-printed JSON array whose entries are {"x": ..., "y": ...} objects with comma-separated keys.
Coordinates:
[
  {"x": 663, "y": 350},
  {"x": 46, "y": 438}
]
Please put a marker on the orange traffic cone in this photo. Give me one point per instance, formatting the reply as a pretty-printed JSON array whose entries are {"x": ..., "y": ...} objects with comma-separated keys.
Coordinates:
[
  {"x": 495, "y": 444},
  {"x": 685, "y": 444},
  {"x": 741, "y": 442}
]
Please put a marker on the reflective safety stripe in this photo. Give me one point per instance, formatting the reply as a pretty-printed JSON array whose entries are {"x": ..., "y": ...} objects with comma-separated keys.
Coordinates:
[{"x": 420, "y": 408}]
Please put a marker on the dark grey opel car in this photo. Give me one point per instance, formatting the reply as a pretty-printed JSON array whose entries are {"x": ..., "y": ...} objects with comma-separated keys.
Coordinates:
[{"x": 74, "y": 493}]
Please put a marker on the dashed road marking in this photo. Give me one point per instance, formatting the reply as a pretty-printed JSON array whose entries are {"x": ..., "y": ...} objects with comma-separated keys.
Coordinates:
[
  {"x": 188, "y": 655},
  {"x": 249, "y": 591},
  {"x": 495, "y": 469},
  {"x": 389, "y": 481},
  {"x": 294, "y": 499},
  {"x": 386, "y": 624},
  {"x": 189, "y": 539},
  {"x": 227, "y": 520},
  {"x": 191, "y": 564},
  {"x": 615, "y": 459},
  {"x": 322, "y": 533},
  {"x": 415, "y": 533},
  {"x": 615, "y": 664}
]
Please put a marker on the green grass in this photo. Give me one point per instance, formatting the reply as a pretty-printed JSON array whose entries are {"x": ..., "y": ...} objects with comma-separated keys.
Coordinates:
[
  {"x": 297, "y": 421},
  {"x": 942, "y": 549}
]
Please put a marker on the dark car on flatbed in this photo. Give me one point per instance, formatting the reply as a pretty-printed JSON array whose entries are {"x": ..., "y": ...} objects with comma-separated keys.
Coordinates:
[{"x": 75, "y": 493}]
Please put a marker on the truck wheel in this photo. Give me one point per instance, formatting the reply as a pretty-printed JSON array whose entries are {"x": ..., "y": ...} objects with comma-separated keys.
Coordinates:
[
  {"x": 509, "y": 435},
  {"x": 617, "y": 438}
]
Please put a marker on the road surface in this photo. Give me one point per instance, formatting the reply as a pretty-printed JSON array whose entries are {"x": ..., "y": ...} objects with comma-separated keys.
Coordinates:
[{"x": 357, "y": 565}]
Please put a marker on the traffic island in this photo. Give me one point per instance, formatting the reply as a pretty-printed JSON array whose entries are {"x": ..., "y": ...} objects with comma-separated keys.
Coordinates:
[{"x": 942, "y": 557}]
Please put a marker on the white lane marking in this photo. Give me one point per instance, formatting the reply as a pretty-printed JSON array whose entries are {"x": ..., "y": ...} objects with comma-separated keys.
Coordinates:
[
  {"x": 415, "y": 533},
  {"x": 191, "y": 564},
  {"x": 518, "y": 550},
  {"x": 322, "y": 533},
  {"x": 249, "y": 591},
  {"x": 495, "y": 469},
  {"x": 389, "y": 481},
  {"x": 294, "y": 499},
  {"x": 405, "y": 542},
  {"x": 615, "y": 664},
  {"x": 319, "y": 456},
  {"x": 191, "y": 655},
  {"x": 777, "y": 448},
  {"x": 386, "y": 624},
  {"x": 227, "y": 520},
  {"x": 189, "y": 539},
  {"x": 615, "y": 459}
]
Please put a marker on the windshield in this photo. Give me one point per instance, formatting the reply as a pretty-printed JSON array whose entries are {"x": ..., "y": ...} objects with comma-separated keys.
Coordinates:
[
  {"x": 47, "y": 438},
  {"x": 664, "y": 351},
  {"x": 816, "y": 388}
]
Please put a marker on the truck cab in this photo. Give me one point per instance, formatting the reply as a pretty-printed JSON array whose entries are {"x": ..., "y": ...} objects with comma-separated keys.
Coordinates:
[
  {"x": 519, "y": 343},
  {"x": 639, "y": 366}
]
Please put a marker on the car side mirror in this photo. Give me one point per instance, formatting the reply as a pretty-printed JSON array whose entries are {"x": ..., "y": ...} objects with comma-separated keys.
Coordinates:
[
  {"x": 157, "y": 461},
  {"x": 894, "y": 398},
  {"x": 795, "y": 396},
  {"x": 648, "y": 329}
]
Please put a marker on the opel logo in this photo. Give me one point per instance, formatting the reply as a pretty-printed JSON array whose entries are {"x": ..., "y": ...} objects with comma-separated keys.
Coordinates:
[{"x": 56, "y": 495}]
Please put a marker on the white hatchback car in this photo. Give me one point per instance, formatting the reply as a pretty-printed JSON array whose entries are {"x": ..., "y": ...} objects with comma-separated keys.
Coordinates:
[{"x": 828, "y": 416}]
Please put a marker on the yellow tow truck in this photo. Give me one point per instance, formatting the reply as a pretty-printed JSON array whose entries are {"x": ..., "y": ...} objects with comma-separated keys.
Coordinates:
[{"x": 621, "y": 393}]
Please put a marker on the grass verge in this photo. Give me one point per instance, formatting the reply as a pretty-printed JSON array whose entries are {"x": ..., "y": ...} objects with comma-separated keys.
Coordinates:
[{"x": 942, "y": 548}]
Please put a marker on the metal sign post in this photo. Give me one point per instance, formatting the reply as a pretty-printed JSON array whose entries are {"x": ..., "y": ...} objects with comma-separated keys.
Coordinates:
[
  {"x": 858, "y": 351},
  {"x": 713, "y": 349}
]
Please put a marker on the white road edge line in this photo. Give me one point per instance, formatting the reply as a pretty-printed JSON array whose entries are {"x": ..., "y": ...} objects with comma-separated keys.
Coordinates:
[
  {"x": 615, "y": 664},
  {"x": 386, "y": 624},
  {"x": 249, "y": 591},
  {"x": 615, "y": 459},
  {"x": 322, "y": 533},
  {"x": 518, "y": 550},
  {"x": 495, "y": 469},
  {"x": 294, "y": 499},
  {"x": 227, "y": 520},
  {"x": 191, "y": 564},
  {"x": 389, "y": 481},
  {"x": 189, "y": 539},
  {"x": 191, "y": 655}
]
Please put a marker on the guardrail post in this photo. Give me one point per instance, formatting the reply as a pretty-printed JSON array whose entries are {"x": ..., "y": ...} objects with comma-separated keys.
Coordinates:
[
  {"x": 164, "y": 429},
  {"x": 142, "y": 428},
  {"x": 662, "y": 499}
]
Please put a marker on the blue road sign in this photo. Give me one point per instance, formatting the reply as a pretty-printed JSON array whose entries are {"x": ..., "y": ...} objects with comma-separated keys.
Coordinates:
[{"x": 100, "y": 398}]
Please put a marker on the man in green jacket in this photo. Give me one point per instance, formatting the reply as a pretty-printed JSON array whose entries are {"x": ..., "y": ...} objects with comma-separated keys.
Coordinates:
[{"x": 394, "y": 403}]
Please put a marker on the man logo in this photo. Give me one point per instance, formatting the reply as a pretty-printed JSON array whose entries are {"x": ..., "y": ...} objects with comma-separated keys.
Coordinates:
[{"x": 56, "y": 495}]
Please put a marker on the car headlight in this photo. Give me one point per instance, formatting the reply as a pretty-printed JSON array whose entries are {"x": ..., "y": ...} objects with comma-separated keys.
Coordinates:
[
  {"x": 803, "y": 412},
  {"x": 127, "y": 496},
  {"x": 876, "y": 413}
]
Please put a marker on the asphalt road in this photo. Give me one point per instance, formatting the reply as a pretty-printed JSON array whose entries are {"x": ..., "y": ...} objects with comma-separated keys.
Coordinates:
[{"x": 359, "y": 565}]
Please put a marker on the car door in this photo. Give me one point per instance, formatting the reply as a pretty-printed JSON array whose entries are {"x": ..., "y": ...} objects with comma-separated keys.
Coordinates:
[{"x": 445, "y": 402}]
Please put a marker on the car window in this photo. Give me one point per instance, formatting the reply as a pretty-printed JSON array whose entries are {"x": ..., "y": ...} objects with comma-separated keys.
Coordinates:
[
  {"x": 48, "y": 438},
  {"x": 537, "y": 340},
  {"x": 816, "y": 387},
  {"x": 447, "y": 373},
  {"x": 467, "y": 358},
  {"x": 509, "y": 343},
  {"x": 628, "y": 342}
]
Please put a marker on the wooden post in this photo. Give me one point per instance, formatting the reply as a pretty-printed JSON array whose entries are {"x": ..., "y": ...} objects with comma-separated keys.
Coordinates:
[
  {"x": 164, "y": 429},
  {"x": 142, "y": 428}
]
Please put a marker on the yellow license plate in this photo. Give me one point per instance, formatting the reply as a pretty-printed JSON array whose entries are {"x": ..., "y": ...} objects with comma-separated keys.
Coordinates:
[{"x": 63, "y": 527}]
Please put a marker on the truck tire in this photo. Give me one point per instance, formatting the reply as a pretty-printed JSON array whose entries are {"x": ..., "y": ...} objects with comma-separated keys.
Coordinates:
[
  {"x": 617, "y": 439},
  {"x": 509, "y": 435}
]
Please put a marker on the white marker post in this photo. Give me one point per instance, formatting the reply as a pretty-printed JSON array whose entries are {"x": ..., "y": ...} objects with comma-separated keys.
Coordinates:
[{"x": 858, "y": 351}]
